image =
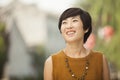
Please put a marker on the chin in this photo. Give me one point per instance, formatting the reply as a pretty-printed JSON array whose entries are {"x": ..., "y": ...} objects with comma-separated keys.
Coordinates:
[{"x": 71, "y": 40}]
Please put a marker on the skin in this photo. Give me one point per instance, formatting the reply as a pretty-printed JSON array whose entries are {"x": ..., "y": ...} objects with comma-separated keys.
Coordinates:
[{"x": 73, "y": 34}]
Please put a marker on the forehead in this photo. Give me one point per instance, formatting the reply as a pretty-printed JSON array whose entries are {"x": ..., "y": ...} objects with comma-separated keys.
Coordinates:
[{"x": 73, "y": 17}]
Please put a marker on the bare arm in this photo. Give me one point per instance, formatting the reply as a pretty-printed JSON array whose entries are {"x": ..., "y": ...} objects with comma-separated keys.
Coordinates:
[
  {"x": 106, "y": 73},
  {"x": 48, "y": 69}
]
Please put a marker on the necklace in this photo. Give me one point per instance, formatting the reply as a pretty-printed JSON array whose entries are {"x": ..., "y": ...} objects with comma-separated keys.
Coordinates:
[{"x": 82, "y": 77}]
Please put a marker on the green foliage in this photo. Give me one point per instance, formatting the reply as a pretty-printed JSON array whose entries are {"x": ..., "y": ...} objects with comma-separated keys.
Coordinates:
[
  {"x": 105, "y": 12},
  {"x": 2, "y": 44},
  {"x": 110, "y": 49},
  {"x": 2, "y": 41},
  {"x": 38, "y": 54},
  {"x": 2, "y": 27},
  {"x": 2, "y": 48}
]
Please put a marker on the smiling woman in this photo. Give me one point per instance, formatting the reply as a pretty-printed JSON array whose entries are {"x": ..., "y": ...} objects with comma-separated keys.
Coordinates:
[
  {"x": 75, "y": 62},
  {"x": 72, "y": 29}
]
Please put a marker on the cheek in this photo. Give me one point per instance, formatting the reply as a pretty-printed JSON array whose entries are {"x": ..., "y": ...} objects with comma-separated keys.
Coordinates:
[
  {"x": 78, "y": 25},
  {"x": 62, "y": 29},
  {"x": 80, "y": 30}
]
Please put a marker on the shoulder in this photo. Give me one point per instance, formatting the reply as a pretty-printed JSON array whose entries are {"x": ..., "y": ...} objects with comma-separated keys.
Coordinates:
[
  {"x": 48, "y": 61},
  {"x": 97, "y": 56},
  {"x": 48, "y": 69},
  {"x": 105, "y": 61},
  {"x": 57, "y": 54},
  {"x": 100, "y": 55},
  {"x": 97, "y": 53},
  {"x": 52, "y": 56}
]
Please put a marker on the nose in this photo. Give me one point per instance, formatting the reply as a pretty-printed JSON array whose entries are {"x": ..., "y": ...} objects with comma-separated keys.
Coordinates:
[{"x": 69, "y": 25}]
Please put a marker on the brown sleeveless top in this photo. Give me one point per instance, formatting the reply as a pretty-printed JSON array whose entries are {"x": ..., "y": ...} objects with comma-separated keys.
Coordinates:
[{"x": 77, "y": 65}]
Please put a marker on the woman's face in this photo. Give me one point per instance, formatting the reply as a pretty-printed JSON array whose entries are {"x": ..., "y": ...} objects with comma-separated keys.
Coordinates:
[{"x": 72, "y": 29}]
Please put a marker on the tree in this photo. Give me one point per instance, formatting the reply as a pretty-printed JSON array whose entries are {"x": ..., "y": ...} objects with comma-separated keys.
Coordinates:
[
  {"x": 105, "y": 12},
  {"x": 3, "y": 48}
]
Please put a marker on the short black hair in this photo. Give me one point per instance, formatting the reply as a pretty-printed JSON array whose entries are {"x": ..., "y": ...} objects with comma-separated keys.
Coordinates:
[{"x": 84, "y": 16}]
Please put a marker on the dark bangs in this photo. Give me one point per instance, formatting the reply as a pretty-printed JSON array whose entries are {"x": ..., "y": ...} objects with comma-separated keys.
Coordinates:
[{"x": 69, "y": 13}]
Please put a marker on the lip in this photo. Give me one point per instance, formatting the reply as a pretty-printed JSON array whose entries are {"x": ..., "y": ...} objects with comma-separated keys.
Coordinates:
[{"x": 70, "y": 32}]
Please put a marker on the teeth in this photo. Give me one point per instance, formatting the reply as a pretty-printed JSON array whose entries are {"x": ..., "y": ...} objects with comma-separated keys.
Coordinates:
[{"x": 70, "y": 32}]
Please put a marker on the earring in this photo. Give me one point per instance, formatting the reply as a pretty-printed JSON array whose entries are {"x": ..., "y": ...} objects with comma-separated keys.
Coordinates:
[{"x": 86, "y": 31}]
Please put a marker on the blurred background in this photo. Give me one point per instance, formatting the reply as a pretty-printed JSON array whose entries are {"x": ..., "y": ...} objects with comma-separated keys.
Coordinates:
[{"x": 29, "y": 34}]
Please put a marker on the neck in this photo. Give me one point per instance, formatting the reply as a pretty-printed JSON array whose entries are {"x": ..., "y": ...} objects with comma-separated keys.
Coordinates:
[{"x": 75, "y": 50}]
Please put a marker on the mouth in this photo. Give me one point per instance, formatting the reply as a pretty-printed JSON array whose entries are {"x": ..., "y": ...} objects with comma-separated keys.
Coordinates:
[{"x": 71, "y": 32}]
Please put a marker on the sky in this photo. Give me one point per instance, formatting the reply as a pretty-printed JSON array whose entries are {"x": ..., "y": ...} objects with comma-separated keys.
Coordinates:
[
  {"x": 55, "y": 6},
  {"x": 49, "y": 5}
]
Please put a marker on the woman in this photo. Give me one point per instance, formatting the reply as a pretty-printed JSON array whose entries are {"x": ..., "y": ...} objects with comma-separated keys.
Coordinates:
[{"x": 75, "y": 62}]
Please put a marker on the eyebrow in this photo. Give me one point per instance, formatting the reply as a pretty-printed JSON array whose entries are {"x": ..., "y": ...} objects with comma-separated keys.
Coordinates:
[{"x": 73, "y": 17}]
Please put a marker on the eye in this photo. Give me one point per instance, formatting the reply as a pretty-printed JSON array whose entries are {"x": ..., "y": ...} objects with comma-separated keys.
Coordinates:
[
  {"x": 75, "y": 20},
  {"x": 64, "y": 22}
]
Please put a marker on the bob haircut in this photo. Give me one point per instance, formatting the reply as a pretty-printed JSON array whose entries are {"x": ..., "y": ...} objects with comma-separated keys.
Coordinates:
[{"x": 84, "y": 16}]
